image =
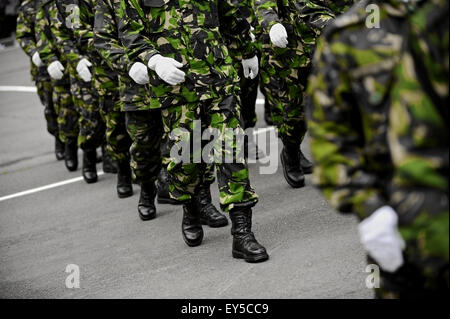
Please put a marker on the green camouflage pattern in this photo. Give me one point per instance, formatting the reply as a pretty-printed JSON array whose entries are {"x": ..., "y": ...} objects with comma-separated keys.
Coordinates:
[
  {"x": 145, "y": 129},
  {"x": 188, "y": 31},
  {"x": 378, "y": 130},
  {"x": 284, "y": 71},
  {"x": 349, "y": 89},
  {"x": 27, "y": 39},
  {"x": 419, "y": 146},
  {"x": 67, "y": 117}
]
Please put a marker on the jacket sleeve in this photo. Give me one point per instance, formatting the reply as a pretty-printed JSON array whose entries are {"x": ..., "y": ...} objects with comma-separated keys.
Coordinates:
[
  {"x": 106, "y": 37},
  {"x": 267, "y": 13},
  {"x": 25, "y": 28},
  {"x": 337, "y": 136}
]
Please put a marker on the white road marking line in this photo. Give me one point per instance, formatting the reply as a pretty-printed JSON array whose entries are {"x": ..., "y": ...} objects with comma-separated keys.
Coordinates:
[
  {"x": 30, "y": 89},
  {"x": 46, "y": 187}
]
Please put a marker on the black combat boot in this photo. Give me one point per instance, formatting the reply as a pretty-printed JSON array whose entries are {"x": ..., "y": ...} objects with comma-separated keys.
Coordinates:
[
  {"x": 109, "y": 165},
  {"x": 245, "y": 245},
  {"x": 59, "y": 149},
  {"x": 162, "y": 184},
  {"x": 71, "y": 155},
  {"x": 209, "y": 215},
  {"x": 146, "y": 206},
  {"x": 305, "y": 163},
  {"x": 293, "y": 173},
  {"x": 124, "y": 182},
  {"x": 90, "y": 166},
  {"x": 191, "y": 227}
]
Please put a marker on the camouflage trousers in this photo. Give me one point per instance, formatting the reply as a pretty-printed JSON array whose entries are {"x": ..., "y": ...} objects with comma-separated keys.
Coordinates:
[
  {"x": 284, "y": 74},
  {"x": 186, "y": 177},
  {"x": 146, "y": 131},
  {"x": 118, "y": 142},
  {"x": 91, "y": 126},
  {"x": 45, "y": 93},
  {"x": 67, "y": 114}
]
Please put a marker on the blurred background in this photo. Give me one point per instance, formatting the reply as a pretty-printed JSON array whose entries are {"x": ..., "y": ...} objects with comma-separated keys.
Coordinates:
[{"x": 8, "y": 16}]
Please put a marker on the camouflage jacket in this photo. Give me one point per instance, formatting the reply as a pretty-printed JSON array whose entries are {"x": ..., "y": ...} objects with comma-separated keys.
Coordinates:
[
  {"x": 26, "y": 36},
  {"x": 418, "y": 132},
  {"x": 350, "y": 92},
  {"x": 187, "y": 31}
]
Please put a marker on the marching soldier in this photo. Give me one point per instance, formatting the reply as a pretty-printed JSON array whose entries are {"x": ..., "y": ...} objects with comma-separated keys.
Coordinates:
[
  {"x": 288, "y": 33},
  {"x": 379, "y": 138},
  {"x": 176, "y": 46},
  {"x": 61, "y": 97}
]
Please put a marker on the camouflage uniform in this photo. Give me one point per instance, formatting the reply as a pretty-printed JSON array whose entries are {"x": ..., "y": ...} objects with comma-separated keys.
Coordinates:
[
  {"x": 188, "y": 31},
  {"x": 49, "y": 52},
  {"x": 357, "y": 103},
  {"x": 26, "y": 36},
  {"x": 284, "y": 71},
  {"x": 73, "y": 44},
  {"x": 144, "y": 125}
]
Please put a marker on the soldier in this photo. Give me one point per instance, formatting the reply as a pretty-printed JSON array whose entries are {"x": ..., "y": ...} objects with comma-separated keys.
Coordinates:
[
  {"x": 289, "y": 32},
  {"x": 177, "y": 47},
  {"x": 65, "y": 19},
  {"x": 61, "y": 97},
  {"x": 379, "y": 138},
  {"x": 144, "y": 126},
  {"x": 26, "y": 37},
  {"x": 105, "y": 84},
  {"x": 248, "y": 82}
]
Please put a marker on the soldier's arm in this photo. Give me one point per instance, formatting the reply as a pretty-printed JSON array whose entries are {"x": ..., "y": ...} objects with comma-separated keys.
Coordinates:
[
  {"x": 337, "y": 136},
  {"x": 45, "y": 41},
  {"x": 106, "y": 37},
  {"x": 267, "y": 13},
  {"x": 84, "y": 32},
  {"x": 25, "y": 28},
  {"x": 236, "y": 19},
  {"x": 132, "y": 34},
  {"x": 61, "y": 28}
]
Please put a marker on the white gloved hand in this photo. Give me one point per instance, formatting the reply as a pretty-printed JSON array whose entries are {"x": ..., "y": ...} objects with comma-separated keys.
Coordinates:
[
  {"x": 252, "y": 35},
  {"x": 55, "y": 69},
  {"x": 83, "y": 70},
  {"x": 278, "y": 35},
  {"x": 139, "y": 73},
  {"x": 381, "y": 239},
  {"x": 167, "y": 69},
  {"x": 36, "y": 59},
  {"x": 251, "y": 67}
]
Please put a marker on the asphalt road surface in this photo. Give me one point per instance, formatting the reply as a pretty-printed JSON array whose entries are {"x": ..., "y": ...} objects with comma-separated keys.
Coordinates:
[{"x": 314, "y": 252}]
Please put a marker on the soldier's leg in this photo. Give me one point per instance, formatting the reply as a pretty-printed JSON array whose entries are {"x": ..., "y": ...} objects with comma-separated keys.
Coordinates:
[
  {"x": 236, "y": 193},
  {"x": 67, "y": 122},
  {"x": 45, "y": 92},
  {"x": 285, "y": 94},
  {"x": 145, "y": 130},
  {"x": 118, "y": 143},
  {"x": 91, "y": 125}
]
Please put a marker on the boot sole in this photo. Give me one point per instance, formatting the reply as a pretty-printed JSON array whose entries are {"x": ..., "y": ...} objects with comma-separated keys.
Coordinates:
[
  {"x": 90, "y": 181},
  {"x": 125, "y": 195},
  {"x": 147, "y": 218},
  {"x": 307, "y": 171},
  {"x": 250, "y": 259},
  {"x": 292, "y": 184},
  {"x": 214, "y": 225},
  {"x": 193, "y": 244}
]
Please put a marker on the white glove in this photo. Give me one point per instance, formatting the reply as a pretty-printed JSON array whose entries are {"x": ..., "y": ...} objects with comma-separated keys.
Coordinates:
[
  {"x": 252, "y": 35},
  {"x": 36, "y": 59},
  {"x": 167, "y": 69},
  {"x": 251, "y": 67},
  {"x": 139, "y": 73},
  {"x": 380, "y": 237},
  {"x": 55, "y": 69},
  {"x": 278, "y": 35},
  {"x": 83, "y": 70}
]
